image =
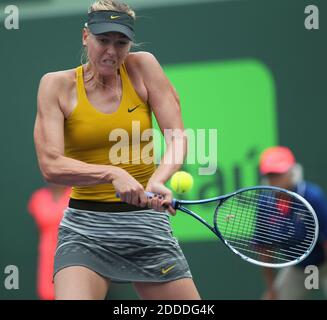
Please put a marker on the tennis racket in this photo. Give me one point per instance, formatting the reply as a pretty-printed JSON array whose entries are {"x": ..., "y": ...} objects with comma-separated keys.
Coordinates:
[{"x": 267, "y": 226}]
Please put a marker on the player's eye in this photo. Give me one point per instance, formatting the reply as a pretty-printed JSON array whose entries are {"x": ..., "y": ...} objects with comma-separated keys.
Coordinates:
[
  {"x": 122, "y": 43},
  {"x": 103, "y": 41}
]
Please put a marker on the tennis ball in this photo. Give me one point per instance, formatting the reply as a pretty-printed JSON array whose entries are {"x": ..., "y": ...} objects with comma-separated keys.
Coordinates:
[{"x": 181, "y": 182}]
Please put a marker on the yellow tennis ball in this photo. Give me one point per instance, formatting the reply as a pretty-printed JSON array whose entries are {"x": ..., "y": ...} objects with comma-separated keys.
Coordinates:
[{"x": 181, "y": 182}]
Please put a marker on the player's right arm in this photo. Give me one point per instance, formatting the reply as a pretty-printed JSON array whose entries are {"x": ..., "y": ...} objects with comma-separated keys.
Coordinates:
[{"x": 49, "y": 144}]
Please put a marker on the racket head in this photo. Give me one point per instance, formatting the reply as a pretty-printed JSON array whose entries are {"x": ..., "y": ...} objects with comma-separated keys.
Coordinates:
[{"x": 267, "y": 226}]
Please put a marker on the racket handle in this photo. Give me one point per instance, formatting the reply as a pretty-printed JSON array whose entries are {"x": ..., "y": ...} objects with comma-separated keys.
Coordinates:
[{"x": 151, "y": 194}]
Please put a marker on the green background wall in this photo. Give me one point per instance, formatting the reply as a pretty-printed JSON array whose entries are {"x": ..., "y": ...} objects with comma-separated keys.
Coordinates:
[{"x": 269, "y": 32}]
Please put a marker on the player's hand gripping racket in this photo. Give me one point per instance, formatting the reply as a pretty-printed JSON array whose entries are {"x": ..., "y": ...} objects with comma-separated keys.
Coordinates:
[{"x": 267, "y": 226}]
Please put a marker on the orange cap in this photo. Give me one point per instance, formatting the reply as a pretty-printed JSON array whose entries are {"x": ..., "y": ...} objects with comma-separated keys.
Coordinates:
[{"x": 276, "y": 160}]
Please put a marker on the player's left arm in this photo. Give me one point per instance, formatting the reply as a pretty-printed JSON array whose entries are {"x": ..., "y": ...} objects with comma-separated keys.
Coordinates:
[{"x": 164, "y": 102}]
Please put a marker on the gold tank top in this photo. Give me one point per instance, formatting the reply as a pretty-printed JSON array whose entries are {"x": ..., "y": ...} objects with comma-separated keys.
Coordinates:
[{"x": 122, "y": 138}]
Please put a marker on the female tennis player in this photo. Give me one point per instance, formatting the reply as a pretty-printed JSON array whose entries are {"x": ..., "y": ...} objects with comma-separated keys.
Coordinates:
[{"x": 81, "y": 113}]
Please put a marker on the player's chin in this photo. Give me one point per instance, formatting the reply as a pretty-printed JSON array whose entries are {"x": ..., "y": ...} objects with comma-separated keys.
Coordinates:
[{"x": 106, "y": 69}]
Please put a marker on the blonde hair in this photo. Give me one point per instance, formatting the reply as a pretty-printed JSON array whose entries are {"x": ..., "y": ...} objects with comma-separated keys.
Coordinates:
[{"x": 112, "y": 5}]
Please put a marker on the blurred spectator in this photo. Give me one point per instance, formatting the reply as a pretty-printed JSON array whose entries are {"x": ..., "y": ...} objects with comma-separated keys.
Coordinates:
[
  {"x": 46, "y": 205},
  {"x": 279, "y": 168}
]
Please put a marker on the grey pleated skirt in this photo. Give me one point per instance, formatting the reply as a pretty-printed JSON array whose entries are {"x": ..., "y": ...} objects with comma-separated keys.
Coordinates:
[{"x": 122, "y": 246}]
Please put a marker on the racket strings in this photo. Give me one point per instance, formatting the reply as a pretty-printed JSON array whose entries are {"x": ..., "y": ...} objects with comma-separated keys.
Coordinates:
[
  {"x": 263, "y": 227},
  {"x": 267, "y": 226},
  {"x": 286, "y": 204},
  {"x": 268, "y": 205},
  {"x": 269, "y": 214}
]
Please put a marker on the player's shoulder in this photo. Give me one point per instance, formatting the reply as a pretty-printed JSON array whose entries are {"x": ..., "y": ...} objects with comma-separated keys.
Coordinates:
[
  {"x": 141, "y": 60},
  {"x": 141, "y": 56},
  {"x": 58, "y": 79}
]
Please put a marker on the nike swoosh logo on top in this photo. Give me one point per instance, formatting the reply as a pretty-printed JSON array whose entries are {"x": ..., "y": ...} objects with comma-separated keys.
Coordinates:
[
  {"x": 114, "y": 17},
  {"x": 164, "y": 271},
  {"x": 132, "y": 109}
]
